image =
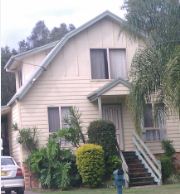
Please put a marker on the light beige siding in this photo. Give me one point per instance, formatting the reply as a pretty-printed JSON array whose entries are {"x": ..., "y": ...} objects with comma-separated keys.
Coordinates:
[
  {"x": 173, "y": 129},
  {"x": 15, "y": 148},
  {"x": 119, "y": 89}
]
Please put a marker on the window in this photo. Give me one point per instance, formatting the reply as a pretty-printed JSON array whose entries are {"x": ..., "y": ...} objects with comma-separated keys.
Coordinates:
[
  {"x": 100, "y": 69},
  {"x": 20, "y": 77},
  {"x": 53, "y": 118},
  {"x": 148, "y": 116},
  {"x": 57, "y": 119},
  {"x": 118, "y": 63},
  {"x": 65, "y": 112},
  {"x": 154, "y": 122}
]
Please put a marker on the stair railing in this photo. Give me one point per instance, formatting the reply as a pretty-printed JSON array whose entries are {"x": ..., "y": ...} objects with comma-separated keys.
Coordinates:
[
  {"x": 125, "y": 169},
  {"x": 151, "y": 163}
]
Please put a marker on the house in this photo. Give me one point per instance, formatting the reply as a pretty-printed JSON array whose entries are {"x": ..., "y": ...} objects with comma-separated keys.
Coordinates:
[{"x": 88, "y": 68}]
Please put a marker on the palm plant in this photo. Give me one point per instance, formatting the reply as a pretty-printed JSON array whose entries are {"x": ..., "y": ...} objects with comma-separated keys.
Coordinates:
[{"x": 156, "y": 67}]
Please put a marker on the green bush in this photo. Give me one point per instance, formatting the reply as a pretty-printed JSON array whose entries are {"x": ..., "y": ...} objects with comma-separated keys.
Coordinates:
[
  {"x": 90, "y": 164},
  {"x": 168, "y": 148},
  {"x": 28, "y": 139},
  {"x": 103, "y": 133},
  {"x": 173, "y": 179},
  {"x": 166, "y": 167},
  {"x": 54, "y": 167},
  {"x": 113, "y": 163}
]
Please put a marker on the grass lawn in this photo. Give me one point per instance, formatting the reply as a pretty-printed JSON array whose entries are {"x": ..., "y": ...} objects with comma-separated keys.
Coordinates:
[{"x": 166, "y": 189}]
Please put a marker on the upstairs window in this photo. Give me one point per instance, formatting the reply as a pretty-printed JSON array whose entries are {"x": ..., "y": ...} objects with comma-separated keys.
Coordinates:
[
  {"x": 108, "y": 63},
  {"x": 99, "y": 65},
  {"x": 117, "y": 63},
  {"x": 20, "y": 77}
]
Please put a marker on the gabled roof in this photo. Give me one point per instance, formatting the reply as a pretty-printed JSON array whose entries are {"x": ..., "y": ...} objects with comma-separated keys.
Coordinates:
[
  {"x": 14, "y": 59},
  {"x": 94, "y": 95},
  {"x": 20, "y": 94}
]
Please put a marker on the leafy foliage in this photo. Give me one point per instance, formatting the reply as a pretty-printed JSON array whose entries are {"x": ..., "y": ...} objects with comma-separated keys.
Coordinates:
[
  {"x": 168, "y": 148},
  {"x": 166, "y": 160},
  {"x": 74, "y": 133},
  {"x": 52, "y": 165},
  {"x": 90, "y": 163},
  {"x": 103, "y": 133},
  {"x": 28, "y": 138},
  {"x": 112, "y": 163},
  {"x": 41, "y": 35},
  {"x": 8, "y": 86},
  {"x": 158, "y": 24},
  {"x": 166, "y": 167}
]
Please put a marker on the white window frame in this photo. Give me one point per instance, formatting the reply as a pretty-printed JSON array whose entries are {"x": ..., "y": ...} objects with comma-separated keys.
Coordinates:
[
  {"x": 145, "y": 129},
  {"x": 60, "y": 114},
  {"x": 108, "y": 61}
]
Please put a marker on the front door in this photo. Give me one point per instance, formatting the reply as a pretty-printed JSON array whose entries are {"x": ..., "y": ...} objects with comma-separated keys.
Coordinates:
[{"x": 113, "y": 113}]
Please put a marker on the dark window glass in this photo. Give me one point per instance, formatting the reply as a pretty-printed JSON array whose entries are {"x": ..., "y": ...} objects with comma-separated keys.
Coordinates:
[
  {"x": 148, "y": 117},
  {"x": 99, "y": 65},
  {"x": 53, "y": 119}
]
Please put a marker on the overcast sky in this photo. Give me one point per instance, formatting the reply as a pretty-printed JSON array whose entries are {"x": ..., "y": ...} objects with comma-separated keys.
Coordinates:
[{"x": 18, "y": 17}]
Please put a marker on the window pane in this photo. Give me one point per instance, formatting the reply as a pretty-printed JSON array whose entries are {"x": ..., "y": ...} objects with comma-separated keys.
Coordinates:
[
  {"x": 53, "y": 118},
  {"x": 99, "y": 67},
  {"x": 159, "y": 116},
  {"x": 20, "y": 77},
  {"x": 65, "y": 113},
  {"x": 118, "y": 63},
  {"x": 148, "y": 118}
]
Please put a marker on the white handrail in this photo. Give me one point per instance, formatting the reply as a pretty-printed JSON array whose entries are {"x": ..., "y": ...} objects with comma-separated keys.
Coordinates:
[
  {"x": 125, "y": 169},
  {"x": 154, "y": 166},
  {"x": 147, "y": 150}
]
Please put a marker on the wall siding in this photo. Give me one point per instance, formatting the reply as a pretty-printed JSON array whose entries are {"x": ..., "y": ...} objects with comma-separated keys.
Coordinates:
[{"x": 15, "y": 148}]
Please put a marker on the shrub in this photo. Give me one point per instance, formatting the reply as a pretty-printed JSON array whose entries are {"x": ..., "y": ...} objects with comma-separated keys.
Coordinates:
[
  {"x": 53, "y": 166},
  {"x": 168, "y": 148},
  {"x": 173, "y": 179},
  {"x": 103, "y": 133},
  {"x": 28, "y": 139},
  {"x": 90, "y": 164},
  {"x": 113, "y": 163},
  {"x": 166, "y": 167},
  {"x": 73, "y": 133}
]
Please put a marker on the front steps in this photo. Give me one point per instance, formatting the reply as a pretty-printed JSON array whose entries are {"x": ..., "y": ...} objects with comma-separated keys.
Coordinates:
[{"x": 138, "y": 174}]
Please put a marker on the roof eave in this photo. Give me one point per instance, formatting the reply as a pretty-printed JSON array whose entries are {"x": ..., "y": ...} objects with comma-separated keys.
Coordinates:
[
  {"x": 94, "y": 96},
  {"x": 22, "y": 55}
]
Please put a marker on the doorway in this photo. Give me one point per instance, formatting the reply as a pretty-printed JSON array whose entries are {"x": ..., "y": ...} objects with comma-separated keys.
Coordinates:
[{"x": 113, "y": 113}]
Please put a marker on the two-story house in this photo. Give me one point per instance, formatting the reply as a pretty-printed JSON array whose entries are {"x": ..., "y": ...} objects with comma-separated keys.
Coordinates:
[{"x": 88, "y": 68}]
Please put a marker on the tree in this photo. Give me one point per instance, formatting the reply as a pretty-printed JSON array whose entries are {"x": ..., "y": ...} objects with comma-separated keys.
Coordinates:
[
  {"x": 8, "y": 86},
  {"x": 58, "y": 33},
  {"x": 39, "y": 35},
  {"x": 157, "y": 23},
  {"x": 23, "y": 46}
]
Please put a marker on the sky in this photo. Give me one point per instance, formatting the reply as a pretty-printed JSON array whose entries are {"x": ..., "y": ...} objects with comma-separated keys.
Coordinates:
[{"x": 18, "y": 17}]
